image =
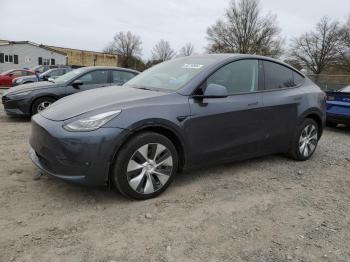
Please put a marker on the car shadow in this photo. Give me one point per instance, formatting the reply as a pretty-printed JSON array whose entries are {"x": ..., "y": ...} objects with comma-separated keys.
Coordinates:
[
  {"x": 340, "y": 129},
  {"x": 108, "y": 195}
]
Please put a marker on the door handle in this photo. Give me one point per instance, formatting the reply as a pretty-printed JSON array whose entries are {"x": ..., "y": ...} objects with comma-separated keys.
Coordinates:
[{"x": 253, "y": 104}]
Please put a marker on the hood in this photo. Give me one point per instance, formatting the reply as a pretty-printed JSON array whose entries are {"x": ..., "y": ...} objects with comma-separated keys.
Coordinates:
[
  {"x": 108, "y": 97},
  {"x": 30, "y": 87}
]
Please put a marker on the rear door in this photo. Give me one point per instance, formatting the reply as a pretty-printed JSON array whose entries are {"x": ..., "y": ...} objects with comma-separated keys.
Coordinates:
[
  {"x": 281, "y": 99},
  {"x": 222, "y": 129},
  {"x": 90, "y": 80}
]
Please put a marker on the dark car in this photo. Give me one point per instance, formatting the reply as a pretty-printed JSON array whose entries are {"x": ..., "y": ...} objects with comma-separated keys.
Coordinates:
[
  {"x": 51, "y": 73},
  {"x": 338, "y": 107},
  {"x": 185, "y": 113},
  {"x": 28, "y": 99},
  {"x": 7, "y": 76}
]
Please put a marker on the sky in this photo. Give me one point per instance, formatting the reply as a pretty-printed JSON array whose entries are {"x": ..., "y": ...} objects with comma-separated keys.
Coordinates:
[{"x": 91, "y": 24}]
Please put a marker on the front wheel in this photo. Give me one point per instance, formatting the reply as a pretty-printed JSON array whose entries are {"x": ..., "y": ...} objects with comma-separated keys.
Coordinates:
[
  {"x": 41, "y": 104},
  {"x": 305, "y": 140},
  {"x": 145, "y": 166}
]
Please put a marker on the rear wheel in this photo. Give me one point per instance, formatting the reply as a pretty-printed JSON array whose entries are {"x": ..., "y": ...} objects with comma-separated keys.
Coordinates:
[
  {"x": 305, "y": 140},
  {"x": 145, "y": 166},
  {"x": 41, "y": 104}
]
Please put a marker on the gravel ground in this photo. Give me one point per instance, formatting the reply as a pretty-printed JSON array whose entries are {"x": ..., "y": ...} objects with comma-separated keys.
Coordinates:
[{"x": 265, "y": 209}]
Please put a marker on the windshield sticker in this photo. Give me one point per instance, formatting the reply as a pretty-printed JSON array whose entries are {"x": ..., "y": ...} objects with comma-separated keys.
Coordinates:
[{"x": 192, "y": 66}]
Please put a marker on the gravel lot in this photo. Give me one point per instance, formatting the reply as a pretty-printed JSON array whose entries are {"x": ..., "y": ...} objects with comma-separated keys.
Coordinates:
[{"x": 266, "y": 209}]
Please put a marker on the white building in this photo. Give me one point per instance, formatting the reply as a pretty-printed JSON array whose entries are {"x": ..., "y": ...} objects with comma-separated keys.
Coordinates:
[{"x": 25, "y": 54}]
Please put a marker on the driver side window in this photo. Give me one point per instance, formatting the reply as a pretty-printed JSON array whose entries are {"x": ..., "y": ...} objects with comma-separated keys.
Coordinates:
[
  {"x": 95, "y": 77},
  {"x": 238, "y": 77}
]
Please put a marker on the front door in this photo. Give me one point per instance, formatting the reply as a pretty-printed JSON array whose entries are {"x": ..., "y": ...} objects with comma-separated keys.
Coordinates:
[
  {"x": 224, "y": 129},
  {"x": 90, "y": 80}
]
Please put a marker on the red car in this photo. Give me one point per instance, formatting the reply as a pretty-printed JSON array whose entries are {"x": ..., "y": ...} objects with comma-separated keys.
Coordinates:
[{"x": 7, "y": 76}]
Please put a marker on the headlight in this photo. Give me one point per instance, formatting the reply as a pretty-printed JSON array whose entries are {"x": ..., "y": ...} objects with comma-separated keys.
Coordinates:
[
  {"x": 91, "y": 123},
  {"x": 17, "y": 95}
]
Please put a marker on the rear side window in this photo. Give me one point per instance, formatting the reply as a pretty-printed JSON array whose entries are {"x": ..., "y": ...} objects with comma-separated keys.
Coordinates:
[
  {"x": 121, "y": 77},
  {"x": 298, "y": 79},
  {"x": 238, "y": 77},
  {"x": 277, "y": 76}
]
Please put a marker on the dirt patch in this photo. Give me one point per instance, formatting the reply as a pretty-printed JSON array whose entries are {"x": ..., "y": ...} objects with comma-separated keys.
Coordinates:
[{"x": 266, "y": 209}]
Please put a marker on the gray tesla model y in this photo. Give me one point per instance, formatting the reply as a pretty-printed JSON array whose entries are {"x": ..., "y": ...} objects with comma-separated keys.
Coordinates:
[{"x": 181, "y": 114}]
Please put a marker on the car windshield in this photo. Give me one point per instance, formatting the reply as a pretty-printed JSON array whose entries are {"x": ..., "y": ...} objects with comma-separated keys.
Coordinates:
[
  {"x": 69, "y": 76},
  {"x": 345, "y": 89},
  {"x": 170, "y": 75}
]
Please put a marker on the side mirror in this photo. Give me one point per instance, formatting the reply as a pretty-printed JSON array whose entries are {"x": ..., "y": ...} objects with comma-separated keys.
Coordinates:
[
  {"x": 10, "y": 74},
  {"x": 213, "y": 91},
  {"x": 77, "y": 83}
]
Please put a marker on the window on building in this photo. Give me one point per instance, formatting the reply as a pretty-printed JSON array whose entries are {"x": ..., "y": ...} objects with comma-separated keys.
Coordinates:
[
  {"x": 40, "y": 60},
  {"x": 52, "y": 61},
  {"x": 15, "y": 59},
  {"x": 6, "y": 58},
  {"x": 1, "y": 57},
  {"x": 10, "y": 59}
]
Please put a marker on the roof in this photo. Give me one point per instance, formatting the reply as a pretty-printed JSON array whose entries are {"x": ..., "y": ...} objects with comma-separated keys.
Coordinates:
[
  {"x": 7, "y": 42},
  {"x": 80, "y": 50},
  {"x": 110, "y": 67},
  {"x": 226, "y": 56}
]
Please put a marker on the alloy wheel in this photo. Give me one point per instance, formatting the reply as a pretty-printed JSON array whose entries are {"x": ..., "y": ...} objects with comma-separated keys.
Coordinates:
[
  {"x": 43, "y": 105},
  {"x": 149, "y": 168},
  {"x": 308, "y": 140}
]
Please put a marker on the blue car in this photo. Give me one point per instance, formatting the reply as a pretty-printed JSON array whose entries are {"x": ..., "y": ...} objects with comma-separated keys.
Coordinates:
[{"x": 338, "y": 107}]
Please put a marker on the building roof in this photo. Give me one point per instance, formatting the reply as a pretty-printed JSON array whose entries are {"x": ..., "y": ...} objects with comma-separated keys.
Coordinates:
[
  {"x": 8, "y": 42},
  {"x": 79, "y": 50}
]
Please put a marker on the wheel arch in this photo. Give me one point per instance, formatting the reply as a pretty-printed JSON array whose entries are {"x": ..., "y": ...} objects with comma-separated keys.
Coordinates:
[
  {"x": 315, "y": 115},
  {"x": 159, "y": 128},
  {"x": 39, "y": 97}
]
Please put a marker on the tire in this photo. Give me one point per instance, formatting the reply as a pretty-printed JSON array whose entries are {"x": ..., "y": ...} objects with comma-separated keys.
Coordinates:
[
  {"x": 307, "y": 134},
  {"x": 39, "y": 103},
  {"x": 133, "y": 172},
  {"x": 331, "y": 124}
]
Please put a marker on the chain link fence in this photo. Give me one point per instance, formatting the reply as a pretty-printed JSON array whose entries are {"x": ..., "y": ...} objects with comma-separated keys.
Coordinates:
[{"x": 331, "y": 82}]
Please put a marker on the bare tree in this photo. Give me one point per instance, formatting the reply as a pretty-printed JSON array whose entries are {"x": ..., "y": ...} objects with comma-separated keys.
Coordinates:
[
  {"x": 346, "y": 33},
  {"x": 187, "y": 50},
  {"x": 162, "y": 51},
  {"x": 319, "y": 48},
  {"x": 244, "y": 30},
  {"x": 344, "y": 59},
  {"x": 127, "y": 46}
]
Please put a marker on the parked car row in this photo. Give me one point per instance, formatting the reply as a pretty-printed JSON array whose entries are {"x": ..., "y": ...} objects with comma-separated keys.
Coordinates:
[
  {"x": 29, "y": 99},
  {"x": 15, "y": 77},
  {"x": 139, "y": 130},
  {"x": 45, "y": 76}
]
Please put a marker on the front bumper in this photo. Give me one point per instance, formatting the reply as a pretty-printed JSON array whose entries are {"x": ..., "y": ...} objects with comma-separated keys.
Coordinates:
[
  {"x": 81, "y": 157},
  {"x": 16, "y": 107}
]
